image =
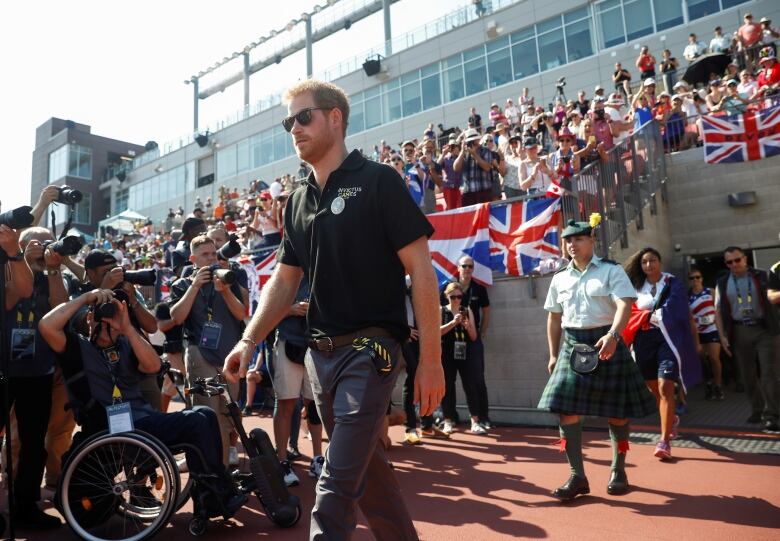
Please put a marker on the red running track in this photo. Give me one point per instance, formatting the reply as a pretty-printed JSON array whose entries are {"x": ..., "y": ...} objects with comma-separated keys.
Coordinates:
[{"x": 483, "y": 488}]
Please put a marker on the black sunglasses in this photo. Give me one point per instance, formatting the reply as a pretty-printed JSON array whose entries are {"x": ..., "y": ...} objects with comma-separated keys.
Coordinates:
[
  {"x": 455, "y": 296},
  {"x": 730, "y": 262},
  {"x": 303, "y": 117},
  {"x": 467, "y": 266},
  {"x": 694, "y": 278}
]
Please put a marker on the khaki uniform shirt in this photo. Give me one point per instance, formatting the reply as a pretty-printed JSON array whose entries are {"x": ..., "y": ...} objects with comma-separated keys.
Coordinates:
[{"x": 587, "y": 299}]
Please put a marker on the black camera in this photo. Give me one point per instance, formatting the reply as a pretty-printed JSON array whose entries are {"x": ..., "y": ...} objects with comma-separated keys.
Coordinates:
[
  {"x": 108, "y": 309},
  {"x": 464, "y": 310},
  {"x": 230, "y": 249},
  {"x": 146, "y": 277},
  {"x": 17, "y": 218},
  {"x": 66, "y": 246},
  {"x": 69, "y": 196},
  {"x": 566, "y": 159},
  {"x": 227, "y": 276}
]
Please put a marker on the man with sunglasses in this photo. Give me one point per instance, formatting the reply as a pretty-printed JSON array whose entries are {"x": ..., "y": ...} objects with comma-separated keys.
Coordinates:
[
  {"x": 354, "y": 230},
  {"x": 748, "y": 327}
]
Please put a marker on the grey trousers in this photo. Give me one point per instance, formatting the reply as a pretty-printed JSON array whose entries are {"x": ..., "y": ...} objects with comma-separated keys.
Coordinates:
[
  {"x": 352, "y": 400},
  {"x": 756, "y": 343}
]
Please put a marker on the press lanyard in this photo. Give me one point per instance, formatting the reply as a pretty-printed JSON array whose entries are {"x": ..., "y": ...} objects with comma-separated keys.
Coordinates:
[
  {"x": 30, "y": 311},
  {"x": 739, "y": 295},
  {"x": 116, "y": 394},
  {"x": 209, "y": 303}
]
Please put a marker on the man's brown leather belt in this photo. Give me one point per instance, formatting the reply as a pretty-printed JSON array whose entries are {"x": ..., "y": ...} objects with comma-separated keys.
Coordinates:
[{"x": 329, "y": 343}]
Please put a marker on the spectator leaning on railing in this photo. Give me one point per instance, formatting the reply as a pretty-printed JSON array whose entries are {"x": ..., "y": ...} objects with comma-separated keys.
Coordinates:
[{"x": 694, "y": 49}]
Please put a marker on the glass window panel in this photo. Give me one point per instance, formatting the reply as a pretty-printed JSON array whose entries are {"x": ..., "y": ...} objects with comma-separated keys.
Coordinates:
[
  {"x": 187, "y": 175},
  {"x": 410, "y": 77},
  {"x": 391, "y": 105},
  {"x": 83, "y": 210},
  {"x": 497, "y": 44},
  {"x": 553, "y": 23},
  {"x": 452, "y": 61},
  {"x": 667, "y": 14},
  {"x": 701, "y": 8},
  {"x": 58, "y": 164},
  {"x": 639, "y": 18},
  {"x": 453, "y": 84},
  {"x": 499, "y": 68},
  {"x": 578, "y": 40},
  {"x": 412, "y": 98},
  {"x": 371, "y": 92},
  {"x": 476, "y": 76},
  {"x": 431, "y": 91},
  {"x": 731, "y": 3},
  {"x": 242, "y": 156},
  {"x": 611, "y": 22},
  {"x": 85, "y": 163},
  {"x": 226, "y": 162},
  {"x": 391, "y": 85},
  {"x": 524, "y": 58},
  {"x": 266, "y": 148},
  {"x": 551, "y": 51},
  {"x": 433, "y": 69},
  {"x": 356, "y": 118},
  {"x": 280, "y": 148},
  {"x": 355, "y": 98},
  {"x": 474, "y": 54},
  {"x": 254, "y": 150},
  {"x": 73, "y": 162},
  {"x": 373, "y": 112},
  {"x": 522, "y": 35},
  {"x": 576, "y": 15}
]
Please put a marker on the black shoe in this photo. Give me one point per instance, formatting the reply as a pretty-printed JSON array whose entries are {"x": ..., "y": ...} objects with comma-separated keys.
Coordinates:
[
  {"x": 293, "y": 454},
  {"x": 708, "y": 392},
  {"x": 32, "y": 518},
  {"x": 754, "y": 418},
  {"x": 571, "y": 488},
  {"x": 233, "y": 503},
  {"x": 717, "y": 393},
  {"x": 247, "y": 411},
  {"x": 771, "y": 426},
  {"x": 618, "y": 483}
]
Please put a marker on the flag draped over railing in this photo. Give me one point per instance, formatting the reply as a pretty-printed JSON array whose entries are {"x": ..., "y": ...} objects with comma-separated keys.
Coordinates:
[{"x": 751, "y": 135}]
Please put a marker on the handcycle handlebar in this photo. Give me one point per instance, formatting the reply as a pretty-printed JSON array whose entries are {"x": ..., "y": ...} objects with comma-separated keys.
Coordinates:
[{"x": 207, "y": 386}]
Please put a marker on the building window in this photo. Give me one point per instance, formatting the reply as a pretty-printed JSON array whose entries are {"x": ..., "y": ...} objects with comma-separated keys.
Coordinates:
[
  {"x": 373, "y": 107},
  {"x": 701, "y": 8},
  {"x": 667, "y": 14},
  {"x": 411, "y": 98},
  {"x": 579, "y": 42},
  {"x": 226, "y": 162},
  {"x": 499, "y": 62},
  {"x": 70, "y": 160},
  {"x": 431, "y": 86},
  {"x": 610, "y": 16},
  {"x": 120, "y": 202},
  {"x": 356, "y": 117},
  {"x": 639, "y": 18},
  {"x": 475, "y": 70},
  {"x": 524, "y": 58}
]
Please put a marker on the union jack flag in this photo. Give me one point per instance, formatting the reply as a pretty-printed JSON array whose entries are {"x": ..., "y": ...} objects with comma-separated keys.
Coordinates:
[
  {"x": 738, "y": 138},
  {"x": 259, "y": 267},
  {"x": 524, "y": 234},
  {"x": 459, "y": 232}
]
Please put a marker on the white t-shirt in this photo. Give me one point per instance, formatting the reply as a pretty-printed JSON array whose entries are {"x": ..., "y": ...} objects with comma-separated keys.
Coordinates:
[
  {"x": 615, "y": 115},
  {"x": 645, "y": 300},
  {"x": 747, "y": 89},
  {"x": 689, "y": 108}
]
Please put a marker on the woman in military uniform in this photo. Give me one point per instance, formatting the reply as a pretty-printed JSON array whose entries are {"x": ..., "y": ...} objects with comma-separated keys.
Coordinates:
[{"x": 589, "y": 303}]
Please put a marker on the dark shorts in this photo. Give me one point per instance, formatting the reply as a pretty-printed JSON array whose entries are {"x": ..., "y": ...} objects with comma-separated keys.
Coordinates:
[
  {"x": 709, "y": 337},
  {"x": 654, "y": 357}
]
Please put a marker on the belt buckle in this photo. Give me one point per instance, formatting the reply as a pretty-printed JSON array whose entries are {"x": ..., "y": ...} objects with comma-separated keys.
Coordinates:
[{"x": 331, "y": 347}]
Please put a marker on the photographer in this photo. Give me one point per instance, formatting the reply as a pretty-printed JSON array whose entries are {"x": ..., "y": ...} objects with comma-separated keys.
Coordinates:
[
  {"x": 475, "y": 162},
  {"x": 227, "y": 245},
  {"x": 432, "y": 174},
  {"x": 58, "y": 194},
  {"x": 212, "y": 314},
  {"x": 31, "y": 365},
  {"x": 114, "y": 358},
  {"x": 191, "y": 228}
]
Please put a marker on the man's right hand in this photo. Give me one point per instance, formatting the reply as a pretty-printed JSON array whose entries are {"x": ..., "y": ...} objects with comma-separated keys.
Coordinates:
[
  {"x": 33, "y": 252},
  {"x": 98, "y": 296},
  {"x": 724, "y": 343},
  {"x": 237, "y": 361},
  {"x": 113, "y": 278},
  {"x": 202, "y": 277},
  {"x": 299, "y": 309},
  {"x": 49, "y": 195}
]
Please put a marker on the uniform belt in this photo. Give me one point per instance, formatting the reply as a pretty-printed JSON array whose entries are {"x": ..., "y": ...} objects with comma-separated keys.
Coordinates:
[
  {"x": 329, "y": 343},
  {"x": 750, "y": 323}
]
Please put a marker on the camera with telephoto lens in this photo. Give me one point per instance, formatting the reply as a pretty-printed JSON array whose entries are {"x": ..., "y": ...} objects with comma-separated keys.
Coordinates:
[
  {"x": 230, "y": 249},
  {"x": 146, "y": 277},
  {"x": 66, "y": 246},
  {"x": 566, "y": 159},
  {"x": 227, "y": 276},
  {"x": 69, "y": 196},
  {"x": 17, "y": 218},
  {"x": 108, "y": 309}
]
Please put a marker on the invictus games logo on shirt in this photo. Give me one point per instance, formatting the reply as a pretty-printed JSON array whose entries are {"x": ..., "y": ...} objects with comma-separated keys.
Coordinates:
[{"x": 346, "y": 193}]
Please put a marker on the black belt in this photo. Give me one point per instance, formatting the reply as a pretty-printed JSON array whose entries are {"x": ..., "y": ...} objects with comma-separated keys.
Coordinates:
[
  {"x": 751, "y": 323},
  {"x": 329, "y": 343}
]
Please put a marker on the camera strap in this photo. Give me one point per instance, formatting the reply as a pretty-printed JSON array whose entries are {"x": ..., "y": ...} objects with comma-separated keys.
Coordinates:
[{"x": 209, "y": 302}]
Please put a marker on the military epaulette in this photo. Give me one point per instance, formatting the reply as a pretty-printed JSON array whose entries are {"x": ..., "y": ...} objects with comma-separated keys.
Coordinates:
[
  {"x": 561, "y": 269},
  {"x": 610, "y": 261}
]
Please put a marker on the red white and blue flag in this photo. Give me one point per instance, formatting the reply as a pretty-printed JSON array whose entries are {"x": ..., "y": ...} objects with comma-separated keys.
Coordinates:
[
  {"x": 259, "y": 267},
  {"x": 744, "y": 137},
  {"x": 523, "y": 235},
  {"x": 460, "y": 232}
]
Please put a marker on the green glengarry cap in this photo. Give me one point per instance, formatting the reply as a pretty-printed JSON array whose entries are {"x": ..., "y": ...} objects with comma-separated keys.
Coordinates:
[{"x": 576, "y": 228}]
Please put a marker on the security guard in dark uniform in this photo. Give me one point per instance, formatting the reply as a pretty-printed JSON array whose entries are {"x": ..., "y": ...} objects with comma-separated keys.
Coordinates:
[
  {"x": 589, "y": 303},
  {"x": 354, "y": 229}
]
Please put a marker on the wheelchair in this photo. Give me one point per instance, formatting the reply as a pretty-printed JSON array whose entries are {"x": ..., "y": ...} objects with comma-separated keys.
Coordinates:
[{"x": 127, "y": 485}]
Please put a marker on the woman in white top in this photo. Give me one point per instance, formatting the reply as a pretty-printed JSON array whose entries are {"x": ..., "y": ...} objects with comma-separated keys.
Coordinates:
[
  {"x": 535, "y": 174},
  {"x": 512, "y": 159},
  {"x": 267, "y": 220}
]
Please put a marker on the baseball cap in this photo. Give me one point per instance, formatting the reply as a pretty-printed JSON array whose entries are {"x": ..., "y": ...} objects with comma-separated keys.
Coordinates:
[
  {"x": 649, "y": 81},
  {"x": 598, "y": 87},
  {"x": 97, "y": 258},
  {"x": 679, "y": 84},
  {"x": 407, "y": 143},
  {"x": 530, "y": 142}
]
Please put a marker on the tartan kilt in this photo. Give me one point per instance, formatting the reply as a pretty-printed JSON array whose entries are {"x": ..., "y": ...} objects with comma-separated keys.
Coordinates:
[{"x": 616, "y": 389}]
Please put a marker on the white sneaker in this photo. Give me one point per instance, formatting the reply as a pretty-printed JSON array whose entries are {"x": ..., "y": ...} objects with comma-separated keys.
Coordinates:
[
  {"x": 477, "y": 428},
  {"x": 315, "y": 468},
  {"x": 290, "y": 479},
  {"x": 233, "y": 456},
  {"x": 448, "y": 428}
]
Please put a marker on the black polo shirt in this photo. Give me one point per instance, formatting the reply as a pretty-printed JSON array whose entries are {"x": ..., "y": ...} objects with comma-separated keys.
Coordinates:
[{"x": 346, "y": 240}]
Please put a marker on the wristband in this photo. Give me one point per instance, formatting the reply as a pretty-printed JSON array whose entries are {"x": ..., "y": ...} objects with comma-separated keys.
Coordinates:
[
  {"x": 615, "y": 335},
  {"x": 18, "y": 257},
  {"x": 245, "y": 339},
  {"x": 51, "y": 272}
]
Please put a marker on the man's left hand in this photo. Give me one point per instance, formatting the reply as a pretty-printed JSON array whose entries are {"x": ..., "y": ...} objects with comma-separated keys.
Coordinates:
[
  {"x": 429, "y": 386},
  {"x": 606, "y": 346},
  {"x": 121, "y": 321}
]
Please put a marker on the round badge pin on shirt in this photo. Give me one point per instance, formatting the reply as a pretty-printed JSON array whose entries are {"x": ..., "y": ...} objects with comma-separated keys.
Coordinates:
[{"x": 337, "y": 206}]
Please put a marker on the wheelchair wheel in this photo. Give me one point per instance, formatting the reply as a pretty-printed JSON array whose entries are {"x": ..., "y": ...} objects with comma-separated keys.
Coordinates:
[{"x": 120, "y": 486}]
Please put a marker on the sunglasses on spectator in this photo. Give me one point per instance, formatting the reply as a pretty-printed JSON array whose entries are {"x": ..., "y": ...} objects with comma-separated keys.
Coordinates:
[
  {"x": 303, "y": 117},
  {"x": 695, "y": 277},
  {"x": 730, "y": 262},
  {"x": 455, "y": 296},
  {"x": 467, "y": 266}
]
